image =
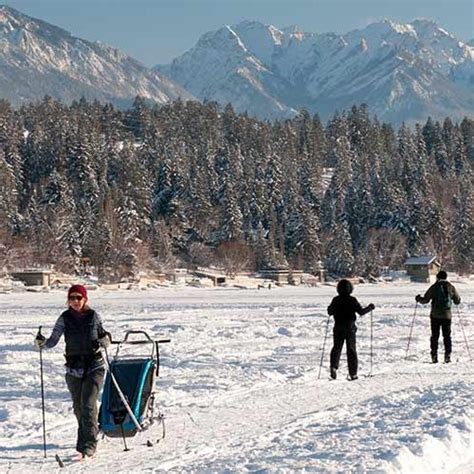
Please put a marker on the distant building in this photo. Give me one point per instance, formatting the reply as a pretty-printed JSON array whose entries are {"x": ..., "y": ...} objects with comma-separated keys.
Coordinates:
[
  {"x": 217, "y": 277},
  {"x": 33, "y": 277},
  {"x": 422, "y": 269},
  {"x": 282, "y": 276},
  {"x": 178, "y": 275}
]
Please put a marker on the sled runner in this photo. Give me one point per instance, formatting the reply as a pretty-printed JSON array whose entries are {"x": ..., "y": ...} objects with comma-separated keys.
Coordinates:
[{"x": 127, "y": 404}]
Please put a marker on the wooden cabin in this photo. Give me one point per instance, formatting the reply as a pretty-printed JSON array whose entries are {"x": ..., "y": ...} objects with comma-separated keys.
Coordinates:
[
  {"x": 282, "y": 276},
  {"x": 422, "y": 269},
  {"x": 217, "y": 277},
  {"x": 178, "y": 275},
  {"x": 33, "y": 277}
]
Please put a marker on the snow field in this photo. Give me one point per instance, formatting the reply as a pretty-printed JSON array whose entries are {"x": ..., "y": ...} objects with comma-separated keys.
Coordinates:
[{"x": 239, "y": 388}]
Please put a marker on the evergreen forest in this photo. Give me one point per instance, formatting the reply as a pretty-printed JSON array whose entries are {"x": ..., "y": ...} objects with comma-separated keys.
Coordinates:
[{"x": 193, "y": 184}]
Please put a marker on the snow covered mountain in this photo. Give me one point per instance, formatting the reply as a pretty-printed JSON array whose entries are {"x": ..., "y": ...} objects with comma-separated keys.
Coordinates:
[
  {"x": 40, "y": 59},
  {"x": 404, "y": 72}
]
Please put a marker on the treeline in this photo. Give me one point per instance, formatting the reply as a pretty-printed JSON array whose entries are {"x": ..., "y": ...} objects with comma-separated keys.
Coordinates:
[{"x": 191, "y": 184}]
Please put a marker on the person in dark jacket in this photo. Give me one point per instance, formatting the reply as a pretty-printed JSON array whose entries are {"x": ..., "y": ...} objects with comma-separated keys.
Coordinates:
[
  {"x": 441, "y": 294},
  {"x": 344, "y": 308},
  {"x": 85, "y": 367}
]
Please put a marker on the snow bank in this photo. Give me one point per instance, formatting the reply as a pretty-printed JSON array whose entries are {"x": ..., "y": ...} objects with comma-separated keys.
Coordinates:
[{"x": 453, "y": 454}]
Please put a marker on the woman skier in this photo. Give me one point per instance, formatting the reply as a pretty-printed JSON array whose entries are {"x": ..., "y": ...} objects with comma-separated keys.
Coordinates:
[{"x": 85, "y": 367}]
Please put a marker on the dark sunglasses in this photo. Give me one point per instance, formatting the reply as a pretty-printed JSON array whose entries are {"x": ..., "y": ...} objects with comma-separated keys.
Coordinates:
[{"x": 75, "y": 298}]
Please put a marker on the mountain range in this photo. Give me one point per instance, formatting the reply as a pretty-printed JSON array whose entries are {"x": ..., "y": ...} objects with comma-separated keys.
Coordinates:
[
  {"x": 38, "y": 59},
  {"x": 403, "y": 72}
]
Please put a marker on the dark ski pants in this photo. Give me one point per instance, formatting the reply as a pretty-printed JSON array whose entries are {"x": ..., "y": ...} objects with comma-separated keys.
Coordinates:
[
  {"x": 445, "y": 326},
  {"x": 347, "y": 335},
  {"x": 84, "y": 393}
]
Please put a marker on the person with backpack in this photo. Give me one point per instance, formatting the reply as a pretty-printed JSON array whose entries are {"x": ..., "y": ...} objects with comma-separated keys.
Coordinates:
[
  {"x": 344, "y": 308},
  {"x": 85, "y": 367},
  {"x": 441, "y": 294}
]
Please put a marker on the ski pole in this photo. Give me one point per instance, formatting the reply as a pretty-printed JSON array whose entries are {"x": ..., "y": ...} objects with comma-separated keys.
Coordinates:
[
  {"x": 42, "y": 393},
  {"x": 411, "y": 330},
  {"x": 464, "y": 335},
  {"x": 324, "y": 345},
  {"x": 371, "y": 341}
]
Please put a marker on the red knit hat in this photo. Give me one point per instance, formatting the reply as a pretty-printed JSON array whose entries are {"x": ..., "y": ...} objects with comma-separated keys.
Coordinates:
[{"x": 81, "y": 289}]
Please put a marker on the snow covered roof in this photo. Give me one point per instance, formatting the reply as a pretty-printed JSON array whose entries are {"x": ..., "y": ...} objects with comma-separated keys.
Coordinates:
[{"x": 423, "y": 260}]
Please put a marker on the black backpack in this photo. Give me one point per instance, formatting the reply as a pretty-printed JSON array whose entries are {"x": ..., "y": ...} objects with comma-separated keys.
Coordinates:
[{"x": 441, "y": 297}]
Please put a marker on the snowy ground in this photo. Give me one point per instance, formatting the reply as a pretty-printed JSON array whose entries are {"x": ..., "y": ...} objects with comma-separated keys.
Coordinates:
[{"x": 239, "y": 384}]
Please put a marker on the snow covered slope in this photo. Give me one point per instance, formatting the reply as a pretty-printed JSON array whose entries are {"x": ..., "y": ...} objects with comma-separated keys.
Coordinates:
[
  {"x": 40, "y": 59},
  {"x": 404, "y": 72},
  {"x": 239, "y": 385},
  {"x": 221, "y": 67}
]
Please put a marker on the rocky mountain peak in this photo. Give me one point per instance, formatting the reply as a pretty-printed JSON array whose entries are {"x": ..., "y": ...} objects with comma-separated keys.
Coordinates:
[
  {"x": 404, "y": 72},
  {"x": 41, "y": 59},
  {"x": 13, "y": 21}
]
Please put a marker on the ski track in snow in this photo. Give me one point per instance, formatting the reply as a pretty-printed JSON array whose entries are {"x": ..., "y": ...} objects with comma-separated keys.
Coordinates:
[{"x": 239, "y": 384}]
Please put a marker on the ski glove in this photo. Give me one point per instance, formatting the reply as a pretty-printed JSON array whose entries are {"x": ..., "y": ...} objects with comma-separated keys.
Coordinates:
[
  {"x": 418, "y": 298},
  {"x": 40, "y": 341},
  {"x": 371, "y": 306}
]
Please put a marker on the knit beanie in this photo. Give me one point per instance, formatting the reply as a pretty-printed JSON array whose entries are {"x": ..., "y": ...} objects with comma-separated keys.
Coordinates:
[
  {"x": 344, "y": 287},
  {"x": 81, "y": 289}
]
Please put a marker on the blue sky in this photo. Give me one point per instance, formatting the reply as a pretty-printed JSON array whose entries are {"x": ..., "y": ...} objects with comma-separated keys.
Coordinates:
[{"x": 156, "y": 31}]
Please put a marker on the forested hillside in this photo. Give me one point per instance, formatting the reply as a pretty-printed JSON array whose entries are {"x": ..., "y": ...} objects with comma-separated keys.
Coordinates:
[{"x": 189, "y": 183}]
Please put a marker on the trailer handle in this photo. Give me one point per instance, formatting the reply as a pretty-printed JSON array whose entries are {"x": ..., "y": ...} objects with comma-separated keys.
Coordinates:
[{"x": 157, "y": 345}]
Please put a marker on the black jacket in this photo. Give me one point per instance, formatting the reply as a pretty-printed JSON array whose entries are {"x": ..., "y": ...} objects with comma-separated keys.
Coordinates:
[
  {"x": 344, "y": 309},
  {"x": 81, "y": 335}
]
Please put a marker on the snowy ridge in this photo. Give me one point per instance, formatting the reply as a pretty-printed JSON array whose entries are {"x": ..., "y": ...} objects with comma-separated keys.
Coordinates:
[
  {"x": 41, "y": 59},
  {"x": 449, "y": 454},
  {"x": 239, "y": 384},
  {"x": 404, "y": 72}
]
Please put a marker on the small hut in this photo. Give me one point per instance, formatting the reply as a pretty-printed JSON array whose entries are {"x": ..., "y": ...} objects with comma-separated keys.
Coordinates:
[
  {"x": 282, "y": 276},
  {"x": 217, "y": 277},
  {"x": 33, "y": 277},
  {"x": 178, "y": 275},
  {"x": 422, "y": 269}
]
